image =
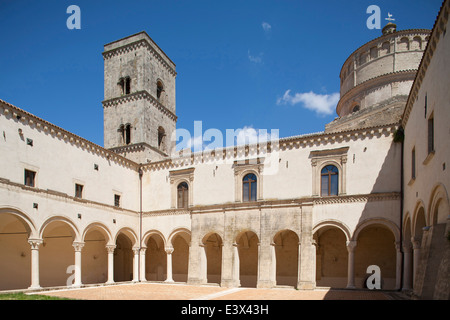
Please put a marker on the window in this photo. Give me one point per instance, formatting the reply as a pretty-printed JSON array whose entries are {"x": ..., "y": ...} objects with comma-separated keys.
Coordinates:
[
  {"x": 431, "y": 135},
  {"x": 413, "y": 163},
  {"x": 161, "y": 138},
  {"x": 117, "y": 200},
  {"x": 78, "y": 190},
  {"x": 30, "y": 177},
  {"x": 249, "y": 187},
  {"x": 125, "y": 134},
  {"x": 329, "y": 181},
  {"x": 356, "y": 108},
  {"x": 183, "y": 195},
  {"x": 125, "y": 85},
  {"x": 159, "y": 90}
]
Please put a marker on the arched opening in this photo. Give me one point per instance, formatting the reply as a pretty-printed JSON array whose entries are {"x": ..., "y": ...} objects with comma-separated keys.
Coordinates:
[
  {"x": 213, "y": 250},
  {"x": 180, "y": 256},
  {"x": 249, "y": 187},
  {"x": 57, "y": 255},
  {"x": 331, "y": 257},
  {"x": 376, "y": 246},
  {"x": 248, "y": 258},
  {"x": 123, "y": 259},
  {"x": 329, "y": 181},
  {"x": 183, "y": 195},
  {"x": 159, "y": 90},
  {"x": 15, "y": 253},
  {"x": 94, "y": 262},
  {"x": 286, "y": 253},
  {"x": 155, "y": 259},
  {"x": 161, "y": 139}
]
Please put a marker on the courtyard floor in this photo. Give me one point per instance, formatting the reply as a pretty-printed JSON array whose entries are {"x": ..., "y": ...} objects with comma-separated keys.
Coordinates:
[{"x": 161, "y": 291}]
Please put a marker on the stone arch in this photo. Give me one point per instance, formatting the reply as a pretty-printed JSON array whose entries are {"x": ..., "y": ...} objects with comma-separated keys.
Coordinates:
[
  {"x": 125, "y": 239},
  {"x": 155, "y": 255},
  {"x": 419, "y": 220},
  {"x": 213, "y": 244},
  {"x": 416, "y": 43},
  {"x": 438, "y": 208},
  {"x": 247, "y": 242},
  {"x": 331, "y": 237},
  {"x": 180, "y": 239},
  {"x": 94, "y": 262},
  {"x": 286, "y": 246},
  {"x": 403, "y": 44},
  {"x": 15, "y": 251},
  {"x": 376, "y": 245},
  {"x": 56, "y": 254},
  {"x": 75, "y": 232}
]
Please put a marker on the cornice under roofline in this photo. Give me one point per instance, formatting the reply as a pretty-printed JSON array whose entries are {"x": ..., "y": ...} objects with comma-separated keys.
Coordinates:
[
  {"x": 402, "y": 75},
  {"x": 28, "y": 118},
  {"x": 142, "y": 94},
  {"x": 288, "y": 142},
  {"x": 425, "y": 61},
  {"x": 401, "y": 32}
]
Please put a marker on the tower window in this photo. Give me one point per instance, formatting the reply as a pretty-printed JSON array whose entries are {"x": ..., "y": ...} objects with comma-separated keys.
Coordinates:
[
  {"x": 125, "y": 85},
  {"x": 329, "y": 181},
  {"x": 431, "y": 134},
  {"x": 125, "y": 133},
  {"x": 413, "y": 163},
  {"x": 159, "y": 90},
  {"x": 117, "y": 200},
  {"x": 356, "y": 108},
  {"x": 161, "y": 138}
]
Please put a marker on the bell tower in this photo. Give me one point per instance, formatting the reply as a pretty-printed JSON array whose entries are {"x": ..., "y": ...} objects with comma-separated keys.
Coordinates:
[{"x": 139, "y": 111}]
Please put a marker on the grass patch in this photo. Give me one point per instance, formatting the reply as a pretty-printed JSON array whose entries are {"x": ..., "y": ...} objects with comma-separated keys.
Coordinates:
[{"x": 23, "y": 296}]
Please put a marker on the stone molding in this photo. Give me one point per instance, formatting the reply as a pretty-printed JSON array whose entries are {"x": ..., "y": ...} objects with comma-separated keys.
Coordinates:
[
  {"x": 140, "y": 95},
  {"x": 438, "y": 29},
  {"x": 140, "y": 44},
  {"x": 39, "y": 124}
]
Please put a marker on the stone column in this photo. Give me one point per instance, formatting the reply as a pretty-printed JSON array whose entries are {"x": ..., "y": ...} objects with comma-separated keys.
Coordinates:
[
  {"x": 273, "y": 264},
  {"x": 407, "y": 266},
  {"x": 142, "y": 264},
  {"x": 416, "y": 257},
  {"x": 228, "y": 260},
  {"x": 307, "y": 277},
  {"x": 110, "y": 249},
  {"x": 78, "y": 246},
  {"x": 169, "y": 252},
  {"x": 351, "y": 245},
  {"x": 135, "y": 265},
  {"x": 236, "y": 266},
  {"x": 398, "y": 267},
  {"x": 35, "y": 243}
]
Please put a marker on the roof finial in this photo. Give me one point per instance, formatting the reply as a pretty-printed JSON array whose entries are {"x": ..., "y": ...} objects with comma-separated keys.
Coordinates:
[
  {"x": 390, "y": 27},
  {"x": 389, "y": 18}
]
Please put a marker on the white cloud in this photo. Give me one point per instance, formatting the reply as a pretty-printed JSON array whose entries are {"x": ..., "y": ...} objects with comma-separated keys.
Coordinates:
[
  {"x": 250, "y": 135},
  {"x": 255, "y": 59},
  {"x": 322, "y": 104},
  {"x": 267, "y": 27}
]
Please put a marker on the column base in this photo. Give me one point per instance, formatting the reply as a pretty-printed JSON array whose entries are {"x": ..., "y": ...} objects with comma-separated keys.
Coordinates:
[
  {"x": 169, "y": 281},
  {"x": 230, "y": 283},
  {"x": 306, "y": 285},
  {"x": 265, "y": 284},
  {"x": 37, "y": 288}
]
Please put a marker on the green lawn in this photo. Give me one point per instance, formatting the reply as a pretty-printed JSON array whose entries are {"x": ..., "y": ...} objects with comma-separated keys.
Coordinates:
[{"x": 23, "y": 296}]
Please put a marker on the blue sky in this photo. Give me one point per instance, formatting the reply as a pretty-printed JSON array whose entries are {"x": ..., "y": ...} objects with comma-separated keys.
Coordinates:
[{"x": 235, "y": 60}]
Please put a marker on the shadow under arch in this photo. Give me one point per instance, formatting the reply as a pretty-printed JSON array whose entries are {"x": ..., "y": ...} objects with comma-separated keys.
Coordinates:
[
  {"x": 180, "y": 239},
  {"x": 24, "y": 218},
  {"x": 247, "y": 242},
  {"x": 155, "y": 255},
  {"x": 286, "y": 245},
  {"x": 213, "y": 244}
]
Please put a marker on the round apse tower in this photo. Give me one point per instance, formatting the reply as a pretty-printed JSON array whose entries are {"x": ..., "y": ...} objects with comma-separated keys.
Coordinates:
[{"x": 377, "y": 77}]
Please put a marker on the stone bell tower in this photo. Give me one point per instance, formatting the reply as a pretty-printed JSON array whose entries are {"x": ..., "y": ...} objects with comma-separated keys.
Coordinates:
[{"x": 139, "y": 103}]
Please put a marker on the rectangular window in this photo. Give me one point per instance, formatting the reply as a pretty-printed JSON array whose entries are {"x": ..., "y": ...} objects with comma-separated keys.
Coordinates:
[
  {"x": 78, "y": 190},
  {"x": 30, "y": 177},
  {"x": 431, "y": 134},
  {"x": 413, "y": 163},
  {"x": 116, "y": 200}
]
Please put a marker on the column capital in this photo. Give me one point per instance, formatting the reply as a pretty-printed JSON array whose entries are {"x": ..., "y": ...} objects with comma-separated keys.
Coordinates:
[
  {"x": 169, "y": 250},
  {"x": 110, "y": 248},
  {"x": 35, "y": 243},
  {"x": 351, "y": 245},
  {"x": 78, "y": 246}
]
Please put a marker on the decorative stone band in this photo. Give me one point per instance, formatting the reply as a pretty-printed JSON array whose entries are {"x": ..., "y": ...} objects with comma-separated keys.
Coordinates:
[
  {"x": 142, "y": 43},
  {"x": 140, "y": 95}
]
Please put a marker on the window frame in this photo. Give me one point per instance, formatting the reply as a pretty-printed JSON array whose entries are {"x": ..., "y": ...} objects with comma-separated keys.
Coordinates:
[
  {"x": 250, "y": 183},
  {"x": 329, "y": 182},
  {"x": 185, "y": 195},
  {"x": 33, "y": 177}
]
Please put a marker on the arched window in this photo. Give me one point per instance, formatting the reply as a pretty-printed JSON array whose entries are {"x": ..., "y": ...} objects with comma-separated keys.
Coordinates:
[
  {"x": 128, "y": 134},
  {"x": 249, "y": 187},
  {"x": 159, "y": 90},
  {"x": 329, "y": 181},
  {"x": 161, "y": 139},
  {"x": 356, "y": 108},
  {"x": 183, "y": 195}
]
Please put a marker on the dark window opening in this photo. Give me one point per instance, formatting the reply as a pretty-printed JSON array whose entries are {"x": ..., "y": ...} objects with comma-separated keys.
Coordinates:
[
  {"x": 413, "y": 163},
  {"x": 431, "y": 135},
  {"x": 125, "y": 85},
  {"x": 117, "y": 200},
  {"x": 161, "y": 138},
  {"x": 329, "y": 181},
  {"x": 159, "y": 90},
  {"x": 30, "y": 177},
  {"x": 356, "y": 108},
  {"x": 249, "y": 188},
  {"x": 128, "y": 134},
  {"x": 183, "y": 195},
  {"x": 78, "y": 190}
]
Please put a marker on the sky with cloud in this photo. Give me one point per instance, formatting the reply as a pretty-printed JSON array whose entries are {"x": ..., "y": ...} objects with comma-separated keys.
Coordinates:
[{"x": 241, "y": 65}]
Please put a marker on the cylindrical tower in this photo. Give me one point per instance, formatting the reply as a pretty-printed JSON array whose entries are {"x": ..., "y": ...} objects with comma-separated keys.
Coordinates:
[{"x": 377, "y": 77}]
